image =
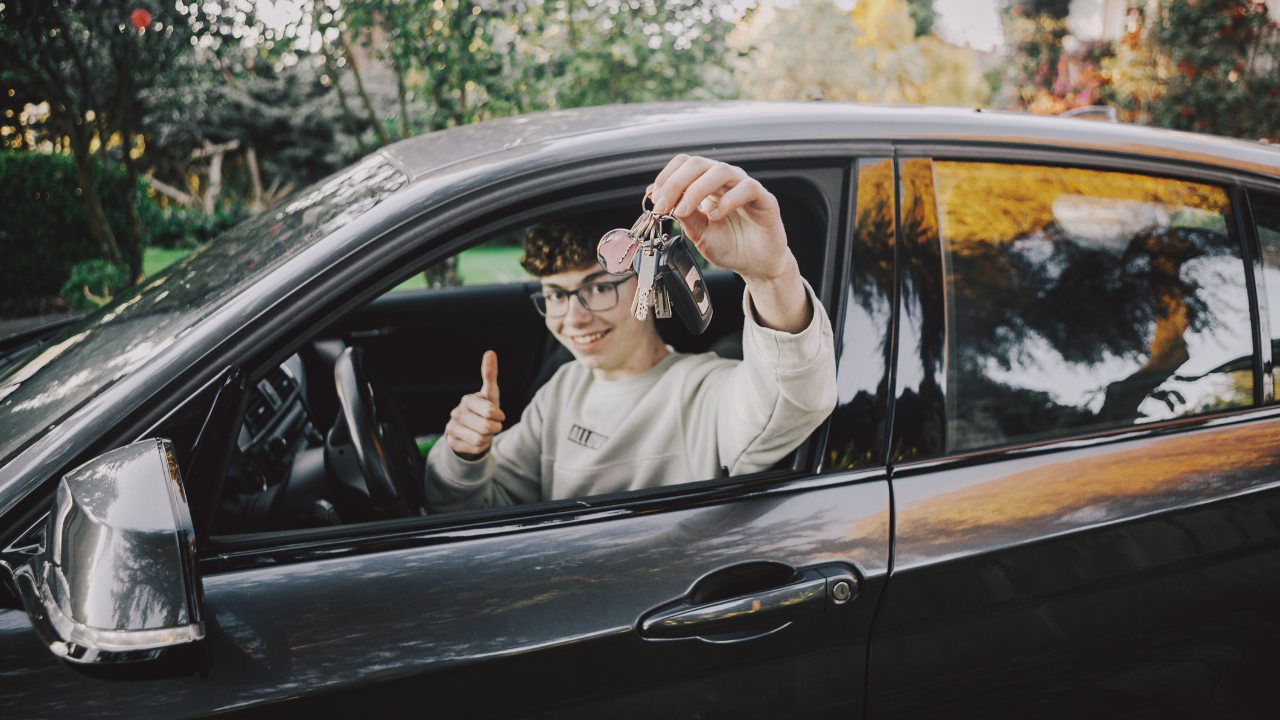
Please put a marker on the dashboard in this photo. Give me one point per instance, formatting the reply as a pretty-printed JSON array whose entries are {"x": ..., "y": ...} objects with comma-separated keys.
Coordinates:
[{"x": 277, "y": 477}]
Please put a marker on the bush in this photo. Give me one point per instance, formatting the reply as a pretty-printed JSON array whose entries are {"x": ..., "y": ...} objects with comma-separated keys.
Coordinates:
[
  {"x": 44, "y": 230},
  {"x": 98, "y": 278},
  {"x": 177, "y": 228}
]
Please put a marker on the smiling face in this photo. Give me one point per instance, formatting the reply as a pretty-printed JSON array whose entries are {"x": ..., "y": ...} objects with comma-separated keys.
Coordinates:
[{"x": 612, "y": 343}]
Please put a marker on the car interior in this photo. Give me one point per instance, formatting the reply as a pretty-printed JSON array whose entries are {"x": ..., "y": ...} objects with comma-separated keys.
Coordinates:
[{"x": 416, "y": 352}]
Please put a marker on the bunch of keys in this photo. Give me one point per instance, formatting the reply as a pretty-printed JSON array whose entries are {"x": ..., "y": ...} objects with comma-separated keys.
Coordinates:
[{"x": 666, "y": 270}]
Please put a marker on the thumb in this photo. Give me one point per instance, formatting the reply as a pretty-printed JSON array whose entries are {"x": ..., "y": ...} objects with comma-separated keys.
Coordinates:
[{"x": 489, "y": 376}]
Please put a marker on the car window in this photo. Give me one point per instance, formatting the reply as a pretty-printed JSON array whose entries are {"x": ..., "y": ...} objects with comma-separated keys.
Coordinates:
[
  {"x": 1266, "y": 215},
  {"x": 418, "y": 351},
  {"x": 495, "y": 261},
  {"x": 1078, "y": 300}
]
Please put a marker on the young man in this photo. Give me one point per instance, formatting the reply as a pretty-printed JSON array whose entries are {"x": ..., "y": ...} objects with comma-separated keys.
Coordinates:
[{"x": 631, "y": 412}]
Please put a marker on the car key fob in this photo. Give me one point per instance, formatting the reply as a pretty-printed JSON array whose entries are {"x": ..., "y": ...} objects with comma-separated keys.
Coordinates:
[{"x": 685, "y": 286}]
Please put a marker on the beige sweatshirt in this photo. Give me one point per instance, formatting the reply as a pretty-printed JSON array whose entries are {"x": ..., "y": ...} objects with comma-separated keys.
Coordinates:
[{"x": 680, "y": 421}]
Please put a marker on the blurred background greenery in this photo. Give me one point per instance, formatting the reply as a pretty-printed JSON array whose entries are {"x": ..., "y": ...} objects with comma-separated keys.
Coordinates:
[{"x": 131, "y": 131}]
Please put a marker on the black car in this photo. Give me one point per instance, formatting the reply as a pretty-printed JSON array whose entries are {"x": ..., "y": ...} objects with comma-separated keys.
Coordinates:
[{"x": 1051, "y": 486}]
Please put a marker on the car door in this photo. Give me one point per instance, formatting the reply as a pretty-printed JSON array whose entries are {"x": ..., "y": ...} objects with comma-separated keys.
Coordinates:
[
  {"x": 1085, "y": 474},
  {"x": 541, "y": 610}
]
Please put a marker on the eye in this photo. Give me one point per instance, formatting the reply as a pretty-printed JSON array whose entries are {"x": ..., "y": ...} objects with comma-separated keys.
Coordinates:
[
  {"x": 554, "y": 295},
  {"x": 601, "y": 289}
]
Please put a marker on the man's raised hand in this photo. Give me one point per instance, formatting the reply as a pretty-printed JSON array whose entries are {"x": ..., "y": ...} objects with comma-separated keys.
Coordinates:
[
  {"x": 736, "y": 224},
  {"x": 477, "y": 418}
]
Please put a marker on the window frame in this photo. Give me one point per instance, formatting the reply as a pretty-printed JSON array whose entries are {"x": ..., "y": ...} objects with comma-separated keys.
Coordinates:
[
  {"x": 519, "y": 206},
  {"x": 1233, "y": 183}
]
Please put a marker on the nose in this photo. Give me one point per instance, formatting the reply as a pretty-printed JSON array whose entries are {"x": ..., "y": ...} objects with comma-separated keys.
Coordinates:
[{"x": 578, "y": 313}]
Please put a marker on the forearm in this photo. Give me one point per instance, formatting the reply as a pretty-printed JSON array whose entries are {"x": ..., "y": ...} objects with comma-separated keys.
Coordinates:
[
  {"x": 781, "y": 302},
  {"x": 782, "y": 390}
]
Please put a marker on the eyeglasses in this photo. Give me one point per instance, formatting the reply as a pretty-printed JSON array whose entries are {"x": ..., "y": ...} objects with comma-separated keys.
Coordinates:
[{"x": 596, "y": 297}]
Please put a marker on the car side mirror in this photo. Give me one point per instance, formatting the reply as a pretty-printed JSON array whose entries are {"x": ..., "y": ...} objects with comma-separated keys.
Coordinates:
[{"x": 114, "y": 579}]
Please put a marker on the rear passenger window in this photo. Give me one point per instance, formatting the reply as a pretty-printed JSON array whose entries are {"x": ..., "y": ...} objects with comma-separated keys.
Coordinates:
[
  {"x": 1266, "y": 214},
  {"x": 1079, "y": 300}
]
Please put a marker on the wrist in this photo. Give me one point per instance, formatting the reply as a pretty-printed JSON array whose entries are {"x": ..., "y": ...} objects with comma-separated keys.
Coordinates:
[{"x": 783, "y": 274}]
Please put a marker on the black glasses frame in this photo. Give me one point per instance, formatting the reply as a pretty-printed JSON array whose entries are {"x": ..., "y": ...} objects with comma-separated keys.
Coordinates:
[{"x": 539, "y": 299}]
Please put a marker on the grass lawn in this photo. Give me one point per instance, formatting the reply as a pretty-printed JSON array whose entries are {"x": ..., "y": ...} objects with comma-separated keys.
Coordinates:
[
  {"x": 156, "y": 259},
  {"x": 481, "y": 266},
  {"x": 477, "y": 266}
]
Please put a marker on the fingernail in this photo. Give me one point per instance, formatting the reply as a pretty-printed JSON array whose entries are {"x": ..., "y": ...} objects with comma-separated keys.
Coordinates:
[
  {"x": 714, "y": 214},
  {"x": 660, "y": 207}
]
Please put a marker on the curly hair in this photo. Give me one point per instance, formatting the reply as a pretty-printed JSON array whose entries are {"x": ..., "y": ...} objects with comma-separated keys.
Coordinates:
[{"x": 565, "y": 244}]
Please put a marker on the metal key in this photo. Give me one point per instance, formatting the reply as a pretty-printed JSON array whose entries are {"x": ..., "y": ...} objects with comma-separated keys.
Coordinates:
[
  {"x": 644, "y": 287},
  {"x": 662, "y": 302}
]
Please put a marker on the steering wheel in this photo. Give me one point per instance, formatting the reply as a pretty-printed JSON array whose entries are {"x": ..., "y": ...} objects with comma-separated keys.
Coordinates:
[{"x": 388, "y": 457}]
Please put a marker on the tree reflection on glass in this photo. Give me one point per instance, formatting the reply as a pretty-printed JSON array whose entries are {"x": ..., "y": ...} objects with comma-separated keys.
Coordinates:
[
  {"x": 1079, "y": 299},
  {"x": 858, "y": 422}
]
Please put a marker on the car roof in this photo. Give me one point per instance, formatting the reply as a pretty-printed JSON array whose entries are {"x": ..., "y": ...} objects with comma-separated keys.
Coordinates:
[{"x": 731, "y": 122}]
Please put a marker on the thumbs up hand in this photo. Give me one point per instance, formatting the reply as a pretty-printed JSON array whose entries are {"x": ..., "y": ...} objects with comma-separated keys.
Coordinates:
[{"x": 477, "y": 418}]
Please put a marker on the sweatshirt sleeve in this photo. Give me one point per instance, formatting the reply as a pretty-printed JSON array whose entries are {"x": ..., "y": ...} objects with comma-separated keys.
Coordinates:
[
  {"x": 509, "y": 474},
  {"x": 784, "y": 388}
]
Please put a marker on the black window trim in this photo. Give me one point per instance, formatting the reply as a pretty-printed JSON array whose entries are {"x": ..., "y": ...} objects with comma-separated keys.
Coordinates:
[{"x": 1233, "y": 183}]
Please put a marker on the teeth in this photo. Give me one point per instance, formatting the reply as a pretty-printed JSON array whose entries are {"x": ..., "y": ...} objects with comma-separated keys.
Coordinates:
[{"x": 588, "y": 339}]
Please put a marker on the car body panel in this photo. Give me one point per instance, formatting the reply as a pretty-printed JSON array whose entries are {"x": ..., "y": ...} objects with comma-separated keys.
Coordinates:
[
  {"x": 1106, "y": 574},
  {"x": 360, "y": 619}
]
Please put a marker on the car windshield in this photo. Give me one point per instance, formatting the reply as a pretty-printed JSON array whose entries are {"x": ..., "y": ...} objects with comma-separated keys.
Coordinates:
[{"x": 74, "y": 367}]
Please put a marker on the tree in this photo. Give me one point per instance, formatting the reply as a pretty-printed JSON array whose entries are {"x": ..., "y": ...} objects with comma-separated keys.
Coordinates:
[
  {"x": 95, "y": 62},
  {"x": 1046, "y": 71},
  {"x": 872, "y": 54},
  {"x": 1208, "y": 66}
]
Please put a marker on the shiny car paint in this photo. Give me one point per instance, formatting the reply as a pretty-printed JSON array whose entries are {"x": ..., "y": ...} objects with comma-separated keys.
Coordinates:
[{"x": 1099, "y": 570}]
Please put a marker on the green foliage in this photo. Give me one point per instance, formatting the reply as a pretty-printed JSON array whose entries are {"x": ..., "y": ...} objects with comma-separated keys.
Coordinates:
[
  {"x": 176, "y": 228},
  {"x": 475, "y": 60},
  {"x": 923, "y": 14},
  {"x": 1202, "y": 66},
  {"x": 43, "y": 230},
  {"x": 98, "y": 278},
  {"x": 291, "y": 120}
]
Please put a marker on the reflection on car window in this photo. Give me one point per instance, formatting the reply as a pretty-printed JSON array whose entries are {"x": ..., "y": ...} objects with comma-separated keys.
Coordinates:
[
  {"x": 862, "y": 379},
  {"x": 1079, "y": 300},
  {"x": 1266, "y": 213},
  {"x": 493, "y": 262}
]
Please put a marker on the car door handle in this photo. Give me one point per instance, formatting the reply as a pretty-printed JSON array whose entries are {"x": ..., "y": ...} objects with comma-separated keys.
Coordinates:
[{"x": 744, "y": 617}]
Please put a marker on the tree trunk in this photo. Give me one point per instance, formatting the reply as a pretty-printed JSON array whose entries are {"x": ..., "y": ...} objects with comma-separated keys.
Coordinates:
[
  {"x": 89, "y": 194},
  {"x": 404, "y": 107},
  {"x": 342, "y": 99},
  {"x": 128, "y": 194},
  {"x": 215, "y": 183},
  {"x": 378, "y": 130},
  {"x": 251, "y": 158}
]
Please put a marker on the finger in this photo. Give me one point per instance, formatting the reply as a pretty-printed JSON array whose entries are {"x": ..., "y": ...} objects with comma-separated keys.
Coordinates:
[
  {"x": 752, "y": 196},
  {"x": 479, "y": 423},
  {"x": 480, "y": 405},
  {"x": 717, "y": 179},
  {"x": 467, "y": 437},
  {"x": 466, "y": 451},
  {"x": 489, "y": 376},
  {"x": 672, "y": 165},
  {"x": 670, "y": 192}
]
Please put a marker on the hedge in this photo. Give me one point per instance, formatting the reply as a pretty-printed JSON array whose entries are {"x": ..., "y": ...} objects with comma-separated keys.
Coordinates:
[{"x": 43, "y": 227}]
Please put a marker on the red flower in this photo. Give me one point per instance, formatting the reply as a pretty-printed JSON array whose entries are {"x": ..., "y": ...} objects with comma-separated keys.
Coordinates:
[
  {"x": 140, "y": 19},
  {"x": 1188, "y": 112},
  {"x": 1239, "y": 67}
]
